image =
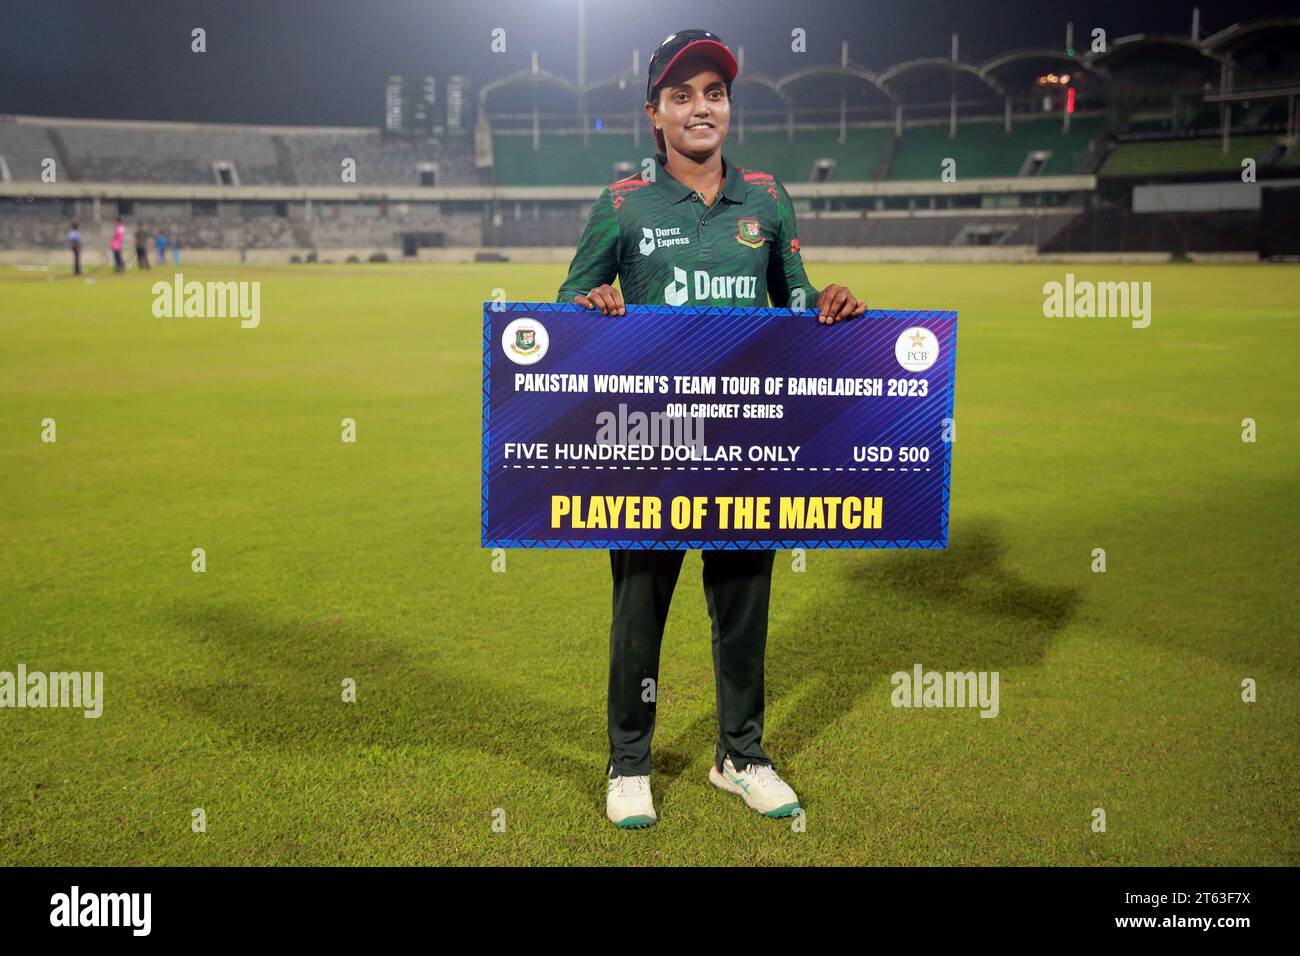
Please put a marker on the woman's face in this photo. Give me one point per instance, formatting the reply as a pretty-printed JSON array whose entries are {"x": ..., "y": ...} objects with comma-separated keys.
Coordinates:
[{"x": 693, "y": 109}]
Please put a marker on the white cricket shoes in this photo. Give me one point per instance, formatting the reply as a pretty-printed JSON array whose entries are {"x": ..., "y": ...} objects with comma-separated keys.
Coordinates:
[
  {"x": 759, "y": 786},
  {"x": 628, "y": 803}
]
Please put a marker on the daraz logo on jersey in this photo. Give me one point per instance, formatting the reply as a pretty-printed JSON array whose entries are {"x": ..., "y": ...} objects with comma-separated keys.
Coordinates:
[{"x": 678, "y": 292}]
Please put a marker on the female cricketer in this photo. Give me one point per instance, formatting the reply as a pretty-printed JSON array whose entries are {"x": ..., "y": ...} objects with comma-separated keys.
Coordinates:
[{"x": 693, "y": 212}]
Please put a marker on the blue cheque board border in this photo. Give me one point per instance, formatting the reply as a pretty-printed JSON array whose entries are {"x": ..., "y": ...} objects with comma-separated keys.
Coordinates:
[{"x": 710, "y": 544}]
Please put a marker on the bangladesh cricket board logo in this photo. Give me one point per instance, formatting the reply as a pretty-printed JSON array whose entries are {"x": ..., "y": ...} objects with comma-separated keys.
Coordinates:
[
  {"x": 749, "y": 232},
  {"x": 525, "y": 341}
]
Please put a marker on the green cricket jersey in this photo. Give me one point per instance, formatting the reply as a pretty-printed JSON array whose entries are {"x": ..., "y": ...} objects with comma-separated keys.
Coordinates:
[{"x": 667, "y": 247}]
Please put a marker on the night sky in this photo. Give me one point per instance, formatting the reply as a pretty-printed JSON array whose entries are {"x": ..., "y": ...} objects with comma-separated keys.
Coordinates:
[{"x": 326, "y": 62}]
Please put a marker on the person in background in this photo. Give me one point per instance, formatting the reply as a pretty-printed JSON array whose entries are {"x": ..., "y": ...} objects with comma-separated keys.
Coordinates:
[
  {"x": 119, "y": 237},
  {"x": 141, "y": 246},
  {"x": 160, "y": 240},
  {"x": 176, "y": 247},
  {"x": 74, "y": 243}
]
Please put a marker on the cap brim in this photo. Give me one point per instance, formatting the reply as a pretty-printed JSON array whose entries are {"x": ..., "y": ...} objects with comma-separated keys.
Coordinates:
[{"x": 715, "y": 51}]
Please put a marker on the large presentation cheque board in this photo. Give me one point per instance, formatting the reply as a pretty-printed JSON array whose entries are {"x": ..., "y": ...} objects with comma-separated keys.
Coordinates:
[{"x": 690, "y": 427}]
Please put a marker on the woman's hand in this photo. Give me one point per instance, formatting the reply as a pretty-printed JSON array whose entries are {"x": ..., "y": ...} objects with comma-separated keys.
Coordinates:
[
  {"x": 836, "y": 303},
  {"x": 604, "y": 297}
]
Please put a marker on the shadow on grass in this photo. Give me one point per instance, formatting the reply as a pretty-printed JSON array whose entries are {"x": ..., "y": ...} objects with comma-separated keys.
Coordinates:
[
  {"x": 956, "y": 609},
  {"x": 284, "y": 695}
]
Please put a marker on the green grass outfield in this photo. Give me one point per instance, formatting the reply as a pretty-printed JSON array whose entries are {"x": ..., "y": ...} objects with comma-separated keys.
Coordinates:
[{"x": 479, "y": 690}]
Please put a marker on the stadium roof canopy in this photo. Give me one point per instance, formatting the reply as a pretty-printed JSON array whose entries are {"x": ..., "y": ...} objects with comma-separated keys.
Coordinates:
[
  {"x": 829, "y": 79},
  {"x": 772, "y": 96},
  {"x": 1276, "y": 30},
  {"x": 1137, "y": 61},
  {"x": 929, "y": 74},
  {"x": 1265, "y": 53},
  {"x": 1027, "y": 64},
  {"x": 527, "y": 78},
  {"x": 1145, "y": 63},
  {"x": 1147, "y": 47}
]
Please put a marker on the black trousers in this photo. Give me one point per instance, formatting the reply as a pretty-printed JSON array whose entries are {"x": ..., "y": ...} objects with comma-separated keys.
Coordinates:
[{"x": 737, "y": 585}]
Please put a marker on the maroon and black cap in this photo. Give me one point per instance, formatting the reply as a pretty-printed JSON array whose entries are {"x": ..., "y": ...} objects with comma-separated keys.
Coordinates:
[{"x": 689, "y": 42}]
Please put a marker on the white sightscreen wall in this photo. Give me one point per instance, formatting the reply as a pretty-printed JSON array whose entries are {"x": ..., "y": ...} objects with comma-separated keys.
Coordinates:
[{"x": 1201, "y": 197}]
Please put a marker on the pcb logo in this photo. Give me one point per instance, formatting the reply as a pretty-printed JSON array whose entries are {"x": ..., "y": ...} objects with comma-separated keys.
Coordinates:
[
  {"x": 917, "y": 349},
  {"x": 525, "y": 341},
  {"x": 749, "y": 232}
]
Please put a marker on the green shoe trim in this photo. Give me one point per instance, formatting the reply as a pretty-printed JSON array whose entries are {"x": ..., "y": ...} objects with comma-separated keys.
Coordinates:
[{"x": 635, "y": 823}]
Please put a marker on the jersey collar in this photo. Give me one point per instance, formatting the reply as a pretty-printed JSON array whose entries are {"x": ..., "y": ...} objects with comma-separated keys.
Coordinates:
[{"x": 733, "y": 183}]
